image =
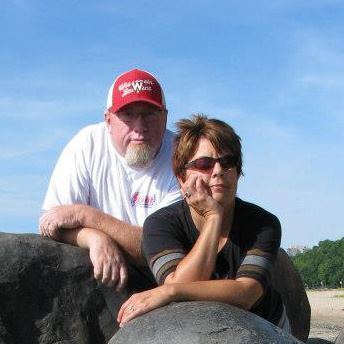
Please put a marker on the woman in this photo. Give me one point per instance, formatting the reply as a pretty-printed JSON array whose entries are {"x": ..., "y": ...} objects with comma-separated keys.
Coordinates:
[{"x": 212, "y": 245}]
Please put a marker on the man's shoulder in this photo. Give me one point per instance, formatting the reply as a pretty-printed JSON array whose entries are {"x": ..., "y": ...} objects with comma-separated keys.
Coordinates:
[
  {"x": 88, "y": 134},
  {"x": 87, "y": 140},
  {"x": 92, "y": 130}
]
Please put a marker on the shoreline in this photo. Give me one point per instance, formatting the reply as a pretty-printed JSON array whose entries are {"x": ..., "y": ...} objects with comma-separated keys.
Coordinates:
[{"x": 327, "y": 313}]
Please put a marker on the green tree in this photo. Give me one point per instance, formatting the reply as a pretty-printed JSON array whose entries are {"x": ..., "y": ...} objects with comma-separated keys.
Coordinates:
[{"x": 324, "y": 262}]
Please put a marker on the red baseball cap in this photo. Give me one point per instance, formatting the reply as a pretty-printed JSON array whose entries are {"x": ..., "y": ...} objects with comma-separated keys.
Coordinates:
[{"x": 135, "y": 86}]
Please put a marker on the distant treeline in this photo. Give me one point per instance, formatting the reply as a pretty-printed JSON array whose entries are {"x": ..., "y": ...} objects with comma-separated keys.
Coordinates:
[{"x": 323, "y": 265}]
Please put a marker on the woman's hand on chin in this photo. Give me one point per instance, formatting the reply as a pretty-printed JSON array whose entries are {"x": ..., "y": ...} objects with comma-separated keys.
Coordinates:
[{"x": 198, "y": 196}]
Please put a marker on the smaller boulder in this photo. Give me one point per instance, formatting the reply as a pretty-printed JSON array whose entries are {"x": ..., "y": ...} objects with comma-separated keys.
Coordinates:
[
  {"x": 201, "y": 322},
  {"x": 287, "y": 281}
]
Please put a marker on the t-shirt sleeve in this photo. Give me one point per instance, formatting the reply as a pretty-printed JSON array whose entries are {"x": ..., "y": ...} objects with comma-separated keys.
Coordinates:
[
  {"x": 69, "y": 183},
  {"x": 162, "y": 244},
  {"x": 261, "y": 253}
]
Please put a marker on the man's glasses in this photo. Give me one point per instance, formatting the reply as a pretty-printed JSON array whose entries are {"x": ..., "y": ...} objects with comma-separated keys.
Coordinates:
[
  {"x": 147, "y": 116},
  {"x": 206, "y": 163}
]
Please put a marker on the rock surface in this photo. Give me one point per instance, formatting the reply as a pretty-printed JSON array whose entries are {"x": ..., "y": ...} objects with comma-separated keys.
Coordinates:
[
  {"x": 206, "y": 322},
  {"x": 340, "y": 338},
  {"x": 200, "y": 322},
  {"x": 287, "y": 281},
  {"x": 47, "y": 294}
]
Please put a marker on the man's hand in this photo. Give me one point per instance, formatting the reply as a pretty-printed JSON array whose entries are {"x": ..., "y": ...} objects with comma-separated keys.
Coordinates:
[
  {"x": 59, "y": 217},
  {"x": 109, "y": 266}
]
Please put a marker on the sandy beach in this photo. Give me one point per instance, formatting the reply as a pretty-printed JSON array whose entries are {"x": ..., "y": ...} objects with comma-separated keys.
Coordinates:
[{"x": 327, "y": 318}]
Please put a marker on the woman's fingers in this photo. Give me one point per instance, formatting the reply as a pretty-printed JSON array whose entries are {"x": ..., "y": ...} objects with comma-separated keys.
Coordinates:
[
  {"x": 130, "y": 309},
  {"x": 189, "y": 184},
  {"x": 142, "y": 303},
  {"x": 121, "y": 310},
  {"x": 131, "y": 313},
  {"x": 195, "y": 190},
  {"x": 201, "y": 187}
]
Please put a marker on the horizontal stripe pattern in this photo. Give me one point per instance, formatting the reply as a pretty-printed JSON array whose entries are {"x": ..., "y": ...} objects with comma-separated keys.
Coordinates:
[
  {"x": 258, "y": 252},
  {"x": 159, "y": 263},
  {"x": 164, "y": 263},
  {"x": 166, "y": 270},
  {"x": 258, "y": 261},
  {"x": 257, "y": 264}
]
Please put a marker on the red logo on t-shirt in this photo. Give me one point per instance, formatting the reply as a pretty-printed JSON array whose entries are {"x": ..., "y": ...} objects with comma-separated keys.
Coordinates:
[{"x": 140, "y": 200}]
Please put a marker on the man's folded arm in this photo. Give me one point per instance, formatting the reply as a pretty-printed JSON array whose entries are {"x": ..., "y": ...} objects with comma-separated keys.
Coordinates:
[{"x": 58, "y": 221}]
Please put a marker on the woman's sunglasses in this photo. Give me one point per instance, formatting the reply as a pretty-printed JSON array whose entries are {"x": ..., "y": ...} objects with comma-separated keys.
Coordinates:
[{"x": 207, "y": 163}]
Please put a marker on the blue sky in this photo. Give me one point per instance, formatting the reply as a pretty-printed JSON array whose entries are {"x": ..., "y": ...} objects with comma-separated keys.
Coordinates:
[{"x": 274, "y": 70}]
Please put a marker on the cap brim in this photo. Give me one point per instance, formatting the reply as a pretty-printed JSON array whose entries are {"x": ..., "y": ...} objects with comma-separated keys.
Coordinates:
[{"x": 144, "y": 100}]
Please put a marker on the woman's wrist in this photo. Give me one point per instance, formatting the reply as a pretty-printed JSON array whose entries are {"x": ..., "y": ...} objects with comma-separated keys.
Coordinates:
[
  {"x": 171, "y": 291},
  {"x": 213, "y": 221},
  {"x": 215, "y": 212}
]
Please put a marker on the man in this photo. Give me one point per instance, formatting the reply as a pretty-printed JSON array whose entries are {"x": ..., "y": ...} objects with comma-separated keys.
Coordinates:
[{"x": 111, "y": 176}]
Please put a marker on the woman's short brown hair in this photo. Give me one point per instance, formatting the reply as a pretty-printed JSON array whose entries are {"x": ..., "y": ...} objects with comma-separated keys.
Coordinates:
[{"x": 221, "y": 135}]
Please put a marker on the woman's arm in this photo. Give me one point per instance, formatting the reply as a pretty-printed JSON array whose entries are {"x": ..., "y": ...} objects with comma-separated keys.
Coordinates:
[
  {"x": 242, "y": 292},
  {"x": 199, "y": 263}
]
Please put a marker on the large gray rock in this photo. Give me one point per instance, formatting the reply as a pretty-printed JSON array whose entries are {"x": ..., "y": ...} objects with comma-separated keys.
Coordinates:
[
  {"x": 288, "y": 282},
  {"x": 200, "y": 322},
  {"x": 48, "y": 295},
  {"x": 5, "y": 337}
]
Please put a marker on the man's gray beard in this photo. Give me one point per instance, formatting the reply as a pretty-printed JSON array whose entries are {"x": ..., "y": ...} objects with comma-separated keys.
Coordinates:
[{"x": 139, "y": 155}]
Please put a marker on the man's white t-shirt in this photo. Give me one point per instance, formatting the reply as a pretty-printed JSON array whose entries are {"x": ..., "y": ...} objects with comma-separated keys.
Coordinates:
[{"x": 90, "y": 171}]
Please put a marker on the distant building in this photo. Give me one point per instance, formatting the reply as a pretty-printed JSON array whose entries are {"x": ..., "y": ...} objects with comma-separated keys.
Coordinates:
[{"x": 295, "y": 249}]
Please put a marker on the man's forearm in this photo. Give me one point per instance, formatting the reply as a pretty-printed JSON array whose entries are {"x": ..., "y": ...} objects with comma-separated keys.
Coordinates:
[
  {"x": 58, "y": 221},
  {"x": 127, "y": 236},
  {"x": 77, "y": 237},
  {"x": 70, "y": 236}
]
